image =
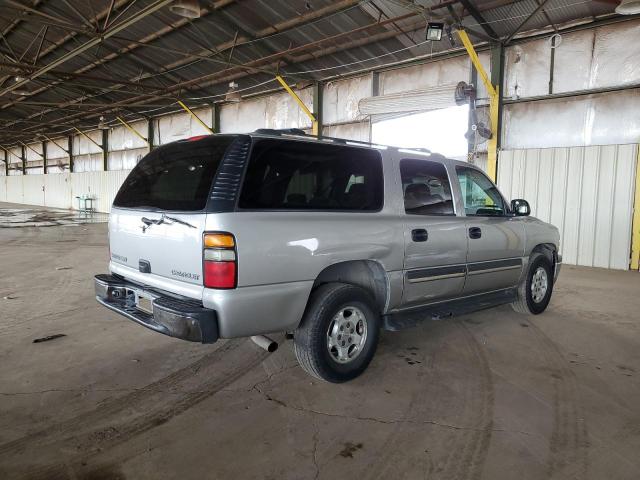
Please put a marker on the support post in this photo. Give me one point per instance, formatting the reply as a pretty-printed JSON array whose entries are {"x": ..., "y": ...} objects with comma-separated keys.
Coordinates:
[
  {"x": 494, "y": 105},
  {"x": 195, "y": 117},
  {"x": 215, "y": 117},
  {"x": 6, "y": 163},
  {"x": 44, "y": 157},
  {"x": 635, "y": 224},
  {"x": 150, "y": 133},
  {"x": 23, "y": 156},
  {"x": 70, "y": 152},
  {"x": 317, "y": 108},
  {"x": 305, "y": 109},
  {"x": 105, "y": 150}
]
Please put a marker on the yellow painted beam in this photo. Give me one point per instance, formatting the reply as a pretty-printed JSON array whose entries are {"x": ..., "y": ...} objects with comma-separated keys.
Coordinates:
[
  {"x": 635, "y": 228},
  {"x": 476, "y": 62},
  {"x": 492, "y": 90},
  {"x": 133, "y": 130},
  {"x": 57, "y": 144},
  {"x": 88, "y": 138},
  {"x": 34, "y": 151},
  {"x": 492, "y": 143},
  {"x": 195, "y": 117},
  {"x": 305, "y": 109}
]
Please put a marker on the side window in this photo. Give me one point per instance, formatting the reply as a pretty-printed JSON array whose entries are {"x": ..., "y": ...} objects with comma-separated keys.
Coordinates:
[
  {"x": 426, "y": 188},
  {"x": 292, "y": 175},
  {"x": 479, "y": 195}
]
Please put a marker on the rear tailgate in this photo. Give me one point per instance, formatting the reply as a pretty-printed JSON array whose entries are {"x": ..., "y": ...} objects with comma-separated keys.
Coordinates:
[
  {"x": 171, "y": 249},
  {"x": 158, "y": 217}
]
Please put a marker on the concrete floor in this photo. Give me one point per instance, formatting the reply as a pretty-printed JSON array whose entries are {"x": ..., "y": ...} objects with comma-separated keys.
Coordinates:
[{"x": 493, "y": 395}]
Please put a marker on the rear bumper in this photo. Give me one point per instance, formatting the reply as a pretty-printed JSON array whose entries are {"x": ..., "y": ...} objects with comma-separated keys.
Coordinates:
[{"x": 179, "y": 318}]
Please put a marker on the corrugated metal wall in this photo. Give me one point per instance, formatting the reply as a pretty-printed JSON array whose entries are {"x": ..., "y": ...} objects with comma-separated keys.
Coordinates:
[
  {"x": 60, "y": 190},
  {"x": 587, "y": 192}
]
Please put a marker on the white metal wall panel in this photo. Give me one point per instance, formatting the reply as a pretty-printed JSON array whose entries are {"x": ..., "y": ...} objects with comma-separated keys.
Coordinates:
[
  {"x": 360, "y": 131},
  {"x": 245, "y": 116},
  {"x": 82, "y": 145},
  {"x": 55, "y": 152},
  {"x": 587, "y": 192},
  {"x": 57, "y": 191},
  {"x": 605, "y": 119},
  {"x": 31, "y": 152},
  {"x": 282, "y": 111},
  {"x": 126, "y": 159},
  {"x": 15, "y": 189},
  {"x": 340, "y": 99},
  {"x": 33, "y": 189},
  {"x": 180, "y": 125},
  {"x": 103, "y": 186},
  {"x": 3, "y": 189},
  {"x": 426, "y": 75},
  {"x": 527, "y": 69},
  {"x": 88, "y": 163},
  {"x": 121, "y": 138}
]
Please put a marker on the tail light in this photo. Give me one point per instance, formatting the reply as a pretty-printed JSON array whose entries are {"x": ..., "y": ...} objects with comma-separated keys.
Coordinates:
[{"x": 219, "y": 260}]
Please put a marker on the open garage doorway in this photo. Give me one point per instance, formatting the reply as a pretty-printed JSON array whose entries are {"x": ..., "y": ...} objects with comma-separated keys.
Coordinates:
[{"x": 440, "y": 131}]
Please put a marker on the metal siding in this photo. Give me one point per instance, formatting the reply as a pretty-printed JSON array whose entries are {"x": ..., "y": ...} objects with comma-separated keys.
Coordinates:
[
  {"x": 57, "y": 190},
  {"x": 33, "y": 186},
  {"x": 587, "y": 192}
]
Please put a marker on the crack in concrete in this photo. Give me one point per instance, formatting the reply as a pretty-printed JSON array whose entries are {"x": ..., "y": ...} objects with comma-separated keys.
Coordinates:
[{"x": 270, "y": 398}]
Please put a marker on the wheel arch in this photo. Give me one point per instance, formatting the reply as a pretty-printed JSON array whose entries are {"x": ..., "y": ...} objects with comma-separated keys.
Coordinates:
[{"x": 369, "y": 275}]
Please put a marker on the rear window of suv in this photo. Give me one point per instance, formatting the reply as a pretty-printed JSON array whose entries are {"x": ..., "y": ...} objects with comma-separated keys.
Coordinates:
[
  {"x": 175, "y": 177},
  {"x": 291, "y": 175}
]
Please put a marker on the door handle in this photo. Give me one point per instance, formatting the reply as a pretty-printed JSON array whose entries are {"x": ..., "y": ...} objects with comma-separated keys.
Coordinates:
[
  {"x": 419, "y": 235},
  {"x": 475, "y": 232}
]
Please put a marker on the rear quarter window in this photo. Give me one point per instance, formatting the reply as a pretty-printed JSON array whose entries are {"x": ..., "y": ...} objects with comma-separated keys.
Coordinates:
[
  {"x": 174, "y": 177},
  {"x": 290, "y": 175}
]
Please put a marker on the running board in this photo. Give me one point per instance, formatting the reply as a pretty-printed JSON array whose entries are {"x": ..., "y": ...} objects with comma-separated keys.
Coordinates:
[{"x": 401, "y": 320}]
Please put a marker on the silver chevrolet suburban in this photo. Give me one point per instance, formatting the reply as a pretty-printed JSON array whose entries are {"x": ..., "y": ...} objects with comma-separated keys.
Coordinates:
[{"x": 328, "y": 240}]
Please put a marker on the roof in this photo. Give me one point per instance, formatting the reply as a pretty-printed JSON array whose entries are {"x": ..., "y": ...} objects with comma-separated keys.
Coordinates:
[{"x": 64, "y": 64}]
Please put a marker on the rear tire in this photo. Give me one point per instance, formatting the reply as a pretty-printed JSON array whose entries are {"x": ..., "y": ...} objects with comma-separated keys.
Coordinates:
[
  {"x": 534, "y": 291},
  {"x": 338, "y": 334}
]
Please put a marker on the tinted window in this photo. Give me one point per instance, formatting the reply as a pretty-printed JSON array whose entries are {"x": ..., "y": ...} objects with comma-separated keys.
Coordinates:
[
  {"x": 426, "y": 188},
  {"x": 479, "y": 195},
  {"x": 177, "y": 176},
  {"x": 289, "y": 175}
]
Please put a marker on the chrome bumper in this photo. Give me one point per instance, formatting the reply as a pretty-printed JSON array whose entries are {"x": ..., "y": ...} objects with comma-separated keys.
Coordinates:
[{"x": 185, "y": 319}]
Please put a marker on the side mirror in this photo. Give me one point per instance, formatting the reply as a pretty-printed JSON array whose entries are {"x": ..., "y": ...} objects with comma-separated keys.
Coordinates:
[{"x": 520, "y": 207}]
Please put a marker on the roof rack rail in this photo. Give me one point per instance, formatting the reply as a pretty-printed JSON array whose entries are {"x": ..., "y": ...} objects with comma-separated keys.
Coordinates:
[{"x": 302, "y": 133}]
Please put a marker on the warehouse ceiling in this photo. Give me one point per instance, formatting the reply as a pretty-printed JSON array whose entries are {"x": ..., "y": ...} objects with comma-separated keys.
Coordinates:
[{"x": 66, "y": 63}]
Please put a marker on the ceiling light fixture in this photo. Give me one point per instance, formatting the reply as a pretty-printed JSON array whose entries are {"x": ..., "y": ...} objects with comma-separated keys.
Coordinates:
[
  {"x": 186, "y": 8},
  {"x": 628, "y": 7},
  {"x": 434, "y": 31},
  {"x": 233, "y": 95}
]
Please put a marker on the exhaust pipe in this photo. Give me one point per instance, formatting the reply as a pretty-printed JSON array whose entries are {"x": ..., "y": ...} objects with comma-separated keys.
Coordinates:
[{"x": 265, "y": 342}]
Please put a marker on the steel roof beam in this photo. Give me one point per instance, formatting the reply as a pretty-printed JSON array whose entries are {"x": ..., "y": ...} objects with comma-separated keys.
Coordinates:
[
  {"x": 477, "y": 16},
  {"x": 158, "y": 4},
  {"x": 525, "y": 21}
]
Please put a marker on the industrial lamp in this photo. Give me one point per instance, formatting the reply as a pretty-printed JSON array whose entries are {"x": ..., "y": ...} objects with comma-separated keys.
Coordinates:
[
  {"x": 233, "y": 95},
  {"x": 434, "y": 31},
  {"x": 628, "y": 7}
]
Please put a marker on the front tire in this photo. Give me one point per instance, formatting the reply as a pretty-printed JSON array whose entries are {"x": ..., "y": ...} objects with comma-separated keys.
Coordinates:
[
  {"x": 338, "y": 334},
  {"x": 534, "y": 291}
]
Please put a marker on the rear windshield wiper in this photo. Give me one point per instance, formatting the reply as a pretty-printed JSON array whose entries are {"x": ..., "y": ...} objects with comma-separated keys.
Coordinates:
[{"x": 166, "y": 219}]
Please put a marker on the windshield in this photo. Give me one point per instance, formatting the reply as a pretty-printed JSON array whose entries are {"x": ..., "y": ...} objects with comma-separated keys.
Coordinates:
[{"x": 174, "y": 177}]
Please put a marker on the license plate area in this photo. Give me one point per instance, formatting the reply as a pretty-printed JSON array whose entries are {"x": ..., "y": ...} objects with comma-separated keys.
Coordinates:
[{"x": 144, "y": 304}]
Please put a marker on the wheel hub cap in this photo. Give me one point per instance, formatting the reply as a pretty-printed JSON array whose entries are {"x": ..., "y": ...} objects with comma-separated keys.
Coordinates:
[
  {"x": 539, "y": 285},
  {"x": 347, "y": 334}
]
